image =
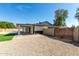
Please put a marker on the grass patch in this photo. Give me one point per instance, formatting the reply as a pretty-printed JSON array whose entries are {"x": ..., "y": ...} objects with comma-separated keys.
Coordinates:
[{"x": 6, "y": 37}]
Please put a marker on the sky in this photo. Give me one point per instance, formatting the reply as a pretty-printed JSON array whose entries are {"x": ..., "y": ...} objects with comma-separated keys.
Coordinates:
[{"x": 29, "y": 13}]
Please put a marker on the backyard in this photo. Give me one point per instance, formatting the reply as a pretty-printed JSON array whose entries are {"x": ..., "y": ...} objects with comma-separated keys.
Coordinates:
[{"x": 37, "y": 45}]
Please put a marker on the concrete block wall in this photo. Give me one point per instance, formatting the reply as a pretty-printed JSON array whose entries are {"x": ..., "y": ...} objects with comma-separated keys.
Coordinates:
[
  {"x": 48, "y": 32},
  {"x": 68, "y": 33},
  {"x": 64, "y": 33}
]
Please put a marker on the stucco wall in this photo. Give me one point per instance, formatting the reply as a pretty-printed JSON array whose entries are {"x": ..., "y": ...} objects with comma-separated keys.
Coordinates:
[
  {"x": 40, "y": 28},
  {"x": 5, "y": 31}
]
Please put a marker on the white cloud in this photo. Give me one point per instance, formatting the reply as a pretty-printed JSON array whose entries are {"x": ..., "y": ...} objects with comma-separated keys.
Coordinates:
[{"x": 22, "y": 7}]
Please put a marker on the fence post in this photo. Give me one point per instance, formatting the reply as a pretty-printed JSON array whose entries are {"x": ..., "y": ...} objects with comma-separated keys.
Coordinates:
[{"x": 76, "y": 35}]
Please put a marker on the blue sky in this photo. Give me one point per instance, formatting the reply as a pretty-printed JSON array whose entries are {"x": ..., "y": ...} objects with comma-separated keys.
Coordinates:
[{"x": 33, "y": 13}]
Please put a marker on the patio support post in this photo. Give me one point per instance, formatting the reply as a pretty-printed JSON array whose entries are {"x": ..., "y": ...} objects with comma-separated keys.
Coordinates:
[
  {"x": 19, "y": 30},
  {"x": 31, "y": 29}
]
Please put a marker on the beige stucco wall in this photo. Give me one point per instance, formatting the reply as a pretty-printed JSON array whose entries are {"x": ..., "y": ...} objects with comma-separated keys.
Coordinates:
[
  {"x": 76, "y": 34},
  {"x": 40, "y": 28},
  {"x": 48, "y": 32},
  {"x": 5, "y": 31}
]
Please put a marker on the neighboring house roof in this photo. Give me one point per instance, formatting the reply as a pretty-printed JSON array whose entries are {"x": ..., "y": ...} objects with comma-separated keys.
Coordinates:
[{"x": 46, "y": 23}]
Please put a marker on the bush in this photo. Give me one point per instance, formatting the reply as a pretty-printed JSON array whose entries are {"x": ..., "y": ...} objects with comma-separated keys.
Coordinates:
[{"x": 4, "y": 24}]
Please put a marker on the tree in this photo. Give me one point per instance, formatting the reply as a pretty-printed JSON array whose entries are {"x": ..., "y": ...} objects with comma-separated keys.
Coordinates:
[
  {"x": 4, "y": 24},
  {"x": 60, "y": 17},
  {"x": 73, "y": 27},
  {"x": 77, "y": 14}
]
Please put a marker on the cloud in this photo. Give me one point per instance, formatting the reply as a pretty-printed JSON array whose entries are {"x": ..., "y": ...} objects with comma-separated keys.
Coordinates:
[{"x": 22, "y": 7}]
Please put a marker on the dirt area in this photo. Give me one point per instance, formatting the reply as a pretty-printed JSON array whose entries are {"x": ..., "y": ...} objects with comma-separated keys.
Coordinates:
[{"x": 37, "y": 45}]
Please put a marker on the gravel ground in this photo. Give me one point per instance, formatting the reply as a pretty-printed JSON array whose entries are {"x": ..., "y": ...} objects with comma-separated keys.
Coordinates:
[{"x": 37, "y": 45}]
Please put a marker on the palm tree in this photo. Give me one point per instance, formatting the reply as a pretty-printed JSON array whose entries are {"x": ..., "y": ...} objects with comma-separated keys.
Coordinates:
[
  {"x": 77, "y": 14},
  {"x": 60, "y": 17},
  {"x": 77, "y": 17}
]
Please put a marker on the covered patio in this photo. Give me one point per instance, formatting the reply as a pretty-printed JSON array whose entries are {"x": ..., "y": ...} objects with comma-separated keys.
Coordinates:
[{"x": 25, "y": 29}]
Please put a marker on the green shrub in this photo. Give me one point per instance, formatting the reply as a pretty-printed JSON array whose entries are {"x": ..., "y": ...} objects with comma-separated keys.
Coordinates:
[{"x": 4, "y": 24}]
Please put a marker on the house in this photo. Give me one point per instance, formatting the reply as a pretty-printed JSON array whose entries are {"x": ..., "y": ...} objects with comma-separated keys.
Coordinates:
[{"x": 33, "y": 28}]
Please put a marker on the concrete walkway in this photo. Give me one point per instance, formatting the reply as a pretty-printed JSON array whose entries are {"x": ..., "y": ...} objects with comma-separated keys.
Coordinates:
[{"x": 38, "y": 45}]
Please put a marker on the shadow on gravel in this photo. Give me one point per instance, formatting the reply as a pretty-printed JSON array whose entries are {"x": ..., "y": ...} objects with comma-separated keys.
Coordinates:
[{"x": 65, "y": 40}]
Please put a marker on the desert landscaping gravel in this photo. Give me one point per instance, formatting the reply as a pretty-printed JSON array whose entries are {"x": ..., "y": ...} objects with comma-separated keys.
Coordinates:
[{"x": 37, "y": 45}]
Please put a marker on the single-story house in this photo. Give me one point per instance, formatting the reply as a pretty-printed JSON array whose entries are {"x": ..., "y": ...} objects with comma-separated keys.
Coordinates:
[{"x": 32, "y": 28}]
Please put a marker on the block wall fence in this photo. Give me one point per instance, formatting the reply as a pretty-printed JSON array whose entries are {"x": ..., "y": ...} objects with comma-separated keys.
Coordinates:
[{"x": 67, "y": 33}]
